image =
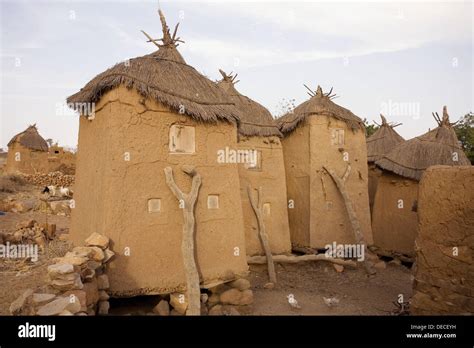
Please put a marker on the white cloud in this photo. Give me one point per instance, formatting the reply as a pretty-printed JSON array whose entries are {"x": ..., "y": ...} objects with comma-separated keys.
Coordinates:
[{"x": 368, "y": 27}]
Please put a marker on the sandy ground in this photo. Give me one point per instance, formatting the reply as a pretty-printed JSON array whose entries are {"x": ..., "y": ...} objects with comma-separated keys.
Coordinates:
[
  {"x": 308, "y": 282},
  {"x": 311, "y": 281}
]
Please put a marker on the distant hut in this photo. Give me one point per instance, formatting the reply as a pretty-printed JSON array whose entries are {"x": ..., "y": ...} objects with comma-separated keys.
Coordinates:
[
  {"x": 379, "y": 144},
  {"x": 3, "y": 158},
  {"x": 258, "y": 133},
  {"x": 319, "y": 133},
  {"x": 27, "y": 152},
  {"x": 61, "y": 160},
  {"x": 154, "y": 112},
  {"x": 394, "y": 221}
]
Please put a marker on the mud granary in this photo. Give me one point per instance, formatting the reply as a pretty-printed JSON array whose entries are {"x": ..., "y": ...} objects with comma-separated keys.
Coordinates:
[
  {"x": 384, "y": 139},
  {"x": 259, "y": 135},
  {"x": 153, "y": 112},
  {"x": 321, "y": 136},
  {"x": 395, "y": 217},
  {"x": 27, "y": 153}
]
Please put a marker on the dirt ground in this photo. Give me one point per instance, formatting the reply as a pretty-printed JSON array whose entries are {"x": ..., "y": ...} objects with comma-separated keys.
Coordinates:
[
  {"x": 311, "y": 281},
  {"x": 307, "y": 282}
]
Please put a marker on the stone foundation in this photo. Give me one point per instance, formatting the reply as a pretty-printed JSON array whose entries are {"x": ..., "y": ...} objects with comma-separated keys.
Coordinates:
[{"x": 77, "y": 284}]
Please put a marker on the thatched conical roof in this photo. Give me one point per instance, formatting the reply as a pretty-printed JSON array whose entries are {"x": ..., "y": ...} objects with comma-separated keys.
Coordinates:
[
  {"x": 382, "y": 141},
  {"x": 319, "y": 104},
  {"x": 255, "y": 119},
  {"x": 165, "y": 77},
  {"x": 411, "y": 158},
  {"x": 30, "y": 139}
]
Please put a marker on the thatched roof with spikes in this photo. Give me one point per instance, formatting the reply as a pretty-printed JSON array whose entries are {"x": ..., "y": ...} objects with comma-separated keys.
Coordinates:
[
  {"x": 30, "y": 139},
  {"x": 165, "y": 77},
  {"x": 255, "y": 119},
  {"x": 383, "y": 140},
  {"x": 436, "y": 147},
  {"x": 320, "y": 104}
]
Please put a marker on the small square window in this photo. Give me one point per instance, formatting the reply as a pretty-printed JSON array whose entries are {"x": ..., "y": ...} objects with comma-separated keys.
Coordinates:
[
  {"x": 213, "y": 202},
  {"x": 266, "y": 209},
  {"x": 337, "y": 136},
  {"x": 182, "y": 139},
  {"x": 154, "y": 205},
  {"x": 254, "y": 160}
]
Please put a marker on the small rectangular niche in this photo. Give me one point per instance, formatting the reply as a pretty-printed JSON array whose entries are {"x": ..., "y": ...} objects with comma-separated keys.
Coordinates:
[
  {"x": 213, "y": 202},
  {"x": 182, "y": 139},
  {"x": 254, "y": 160},
  {"x": 154, "y": 205},
  {"x": 337, "y": 136},
  {"x": 267, "y": 209}
]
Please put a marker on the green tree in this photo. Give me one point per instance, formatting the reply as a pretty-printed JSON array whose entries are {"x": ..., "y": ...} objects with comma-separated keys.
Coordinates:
[
  {"x": 370, "y": 128},
  {"x": 464, "y": 129}
]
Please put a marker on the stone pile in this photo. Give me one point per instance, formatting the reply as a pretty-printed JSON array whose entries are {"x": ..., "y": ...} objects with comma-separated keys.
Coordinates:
[
  {"x": 30, "y": 232},
  {"x": 53, "y": 178},
  {"x": 19, "y": 205},
  {"x": 233, "y": 298},
  {"x": 77, "y": 283}
]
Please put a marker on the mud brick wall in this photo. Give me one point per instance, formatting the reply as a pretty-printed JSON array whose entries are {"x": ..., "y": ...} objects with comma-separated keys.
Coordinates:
[{"x": 444, "y": 278}]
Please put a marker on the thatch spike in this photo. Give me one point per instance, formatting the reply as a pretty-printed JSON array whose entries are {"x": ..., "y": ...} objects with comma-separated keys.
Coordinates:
[
  {"x": 384, "y": 120},
  {"x": 311, "y": 92},
  {"x": 445, "y": 120},
  {"x": 329, "y": 93},
  {"x": 166, "y": 31},
  {"x": 224, "y": 75},
  {"x": 437, "y": 118},
  {"x": 234, "y": 77},
  {"x": 150, "y": 39},
  {"x": 319, "y": 91},
  {"x": 175, "y": 30}
]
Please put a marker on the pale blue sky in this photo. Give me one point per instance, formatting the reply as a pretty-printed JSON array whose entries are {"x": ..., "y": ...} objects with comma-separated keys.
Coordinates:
[{"x": 408, "y": 59}]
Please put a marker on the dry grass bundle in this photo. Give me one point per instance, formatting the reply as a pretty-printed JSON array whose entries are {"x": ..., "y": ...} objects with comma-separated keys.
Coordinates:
[
  {"x": 255, "y": 119},
  {"x": 30, "y": 139},
  {"x": 320, "y": 104},
  {"x": 382, "y": 141},
  {"x": 165, "y": 77},
  {"x": 439, "y": 146}
]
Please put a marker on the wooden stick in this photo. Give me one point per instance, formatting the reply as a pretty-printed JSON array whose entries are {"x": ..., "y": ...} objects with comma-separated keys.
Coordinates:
[
  {"x": 193, "y": 290},
  {"x": 260, "y": 260},
  {"x": 257, "y": 209},
  {"x": 359, "y": 237}
]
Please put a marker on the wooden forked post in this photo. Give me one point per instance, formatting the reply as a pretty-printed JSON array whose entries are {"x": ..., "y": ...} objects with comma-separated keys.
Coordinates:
[
  {"x": 359, "y": 237},
  {"x": 193, "y": 291},
  {"x": 257, "y": 209}
]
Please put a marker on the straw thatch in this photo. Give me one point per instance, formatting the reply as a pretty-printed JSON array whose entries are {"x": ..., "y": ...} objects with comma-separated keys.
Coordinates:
[
  {"x": 30, "y": 139},
  {"x": 320, "y": 104},
  {"x": 411, "y": 158},
  {"x": 382, "y": 141},
  {"x": 255, "y": 119},
  {"x": 165, "y": 77}
]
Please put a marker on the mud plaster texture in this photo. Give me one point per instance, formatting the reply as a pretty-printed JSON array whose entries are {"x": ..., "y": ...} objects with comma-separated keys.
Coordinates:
[
  {"x": 271, "y": 178},
  {"x": 112, "y": 196},
  {"x": 394, "y": 228},
  {"x": 444, "y": 282},
  {"x": 31, "y": 161},
  {"x": 319, "y": 216}
]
